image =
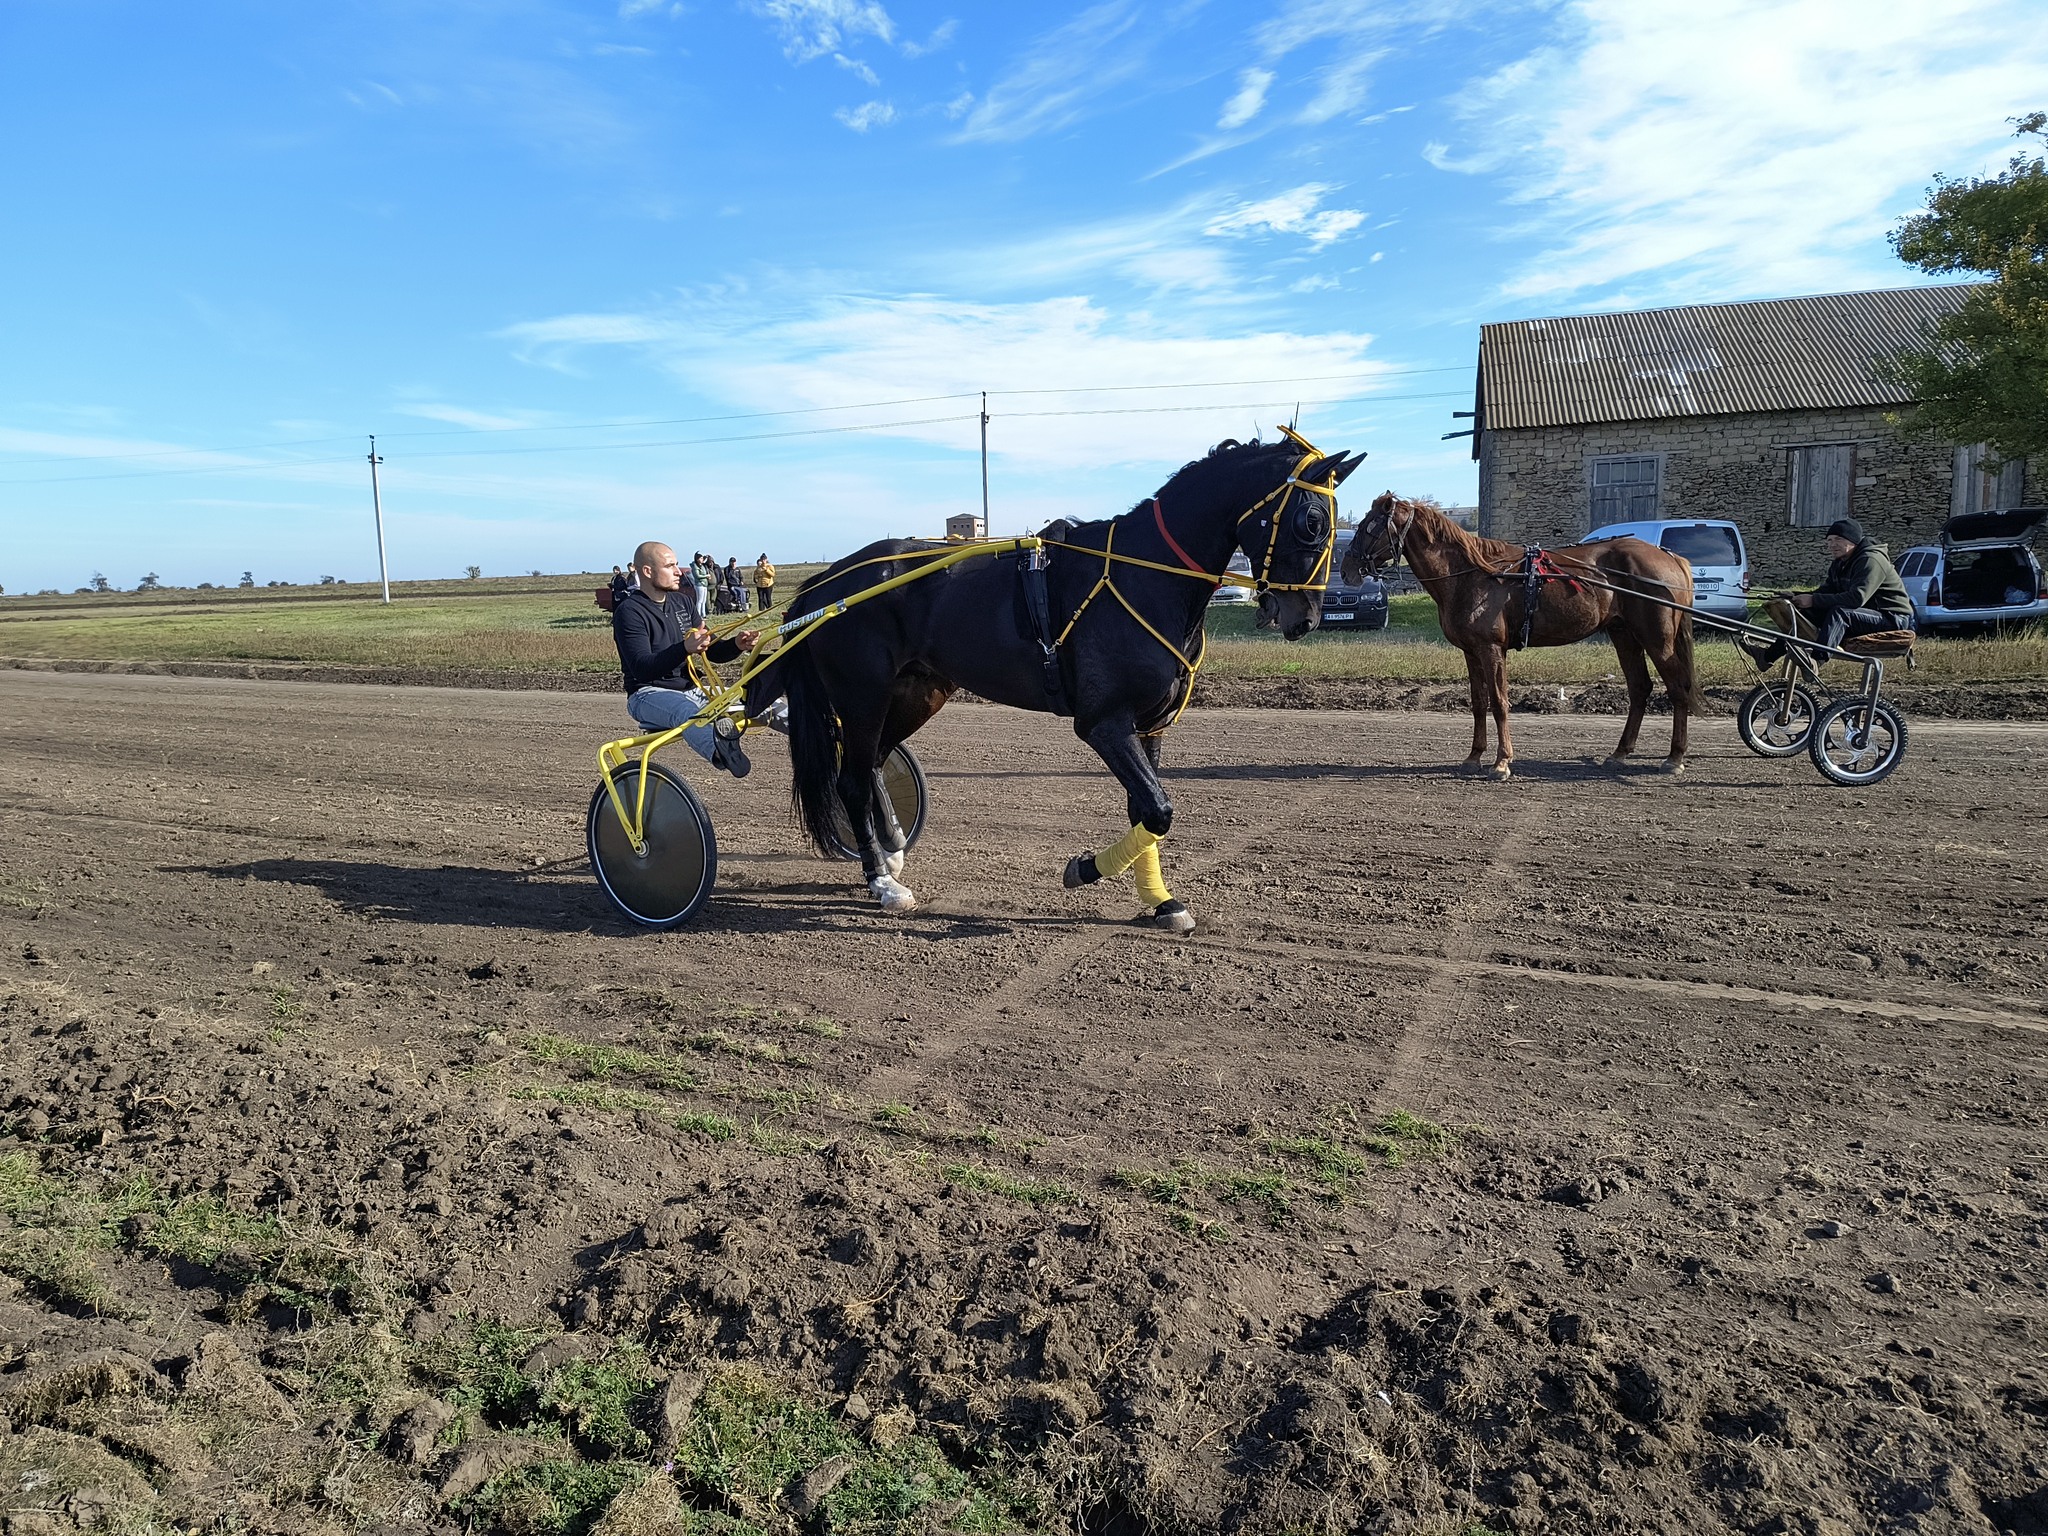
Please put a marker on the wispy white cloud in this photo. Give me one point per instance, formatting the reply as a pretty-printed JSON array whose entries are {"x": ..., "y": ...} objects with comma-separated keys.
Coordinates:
[
  {"x": 1742, "y": 146},
  {"x": 551, "y": 342},
  {"x": 942, "y": 37},
  {"x": 1298, "y": 212},
  {"x": 869, "y": 114},
  {"x": 1249, "y": 100},
  {"x": 840, "y": 349},
  {"x": 810, "y": 29},
  {"x": 1063, "y": 74},
  {"x": 463, "y": 416},
  {"x": 859, "y": 68}
]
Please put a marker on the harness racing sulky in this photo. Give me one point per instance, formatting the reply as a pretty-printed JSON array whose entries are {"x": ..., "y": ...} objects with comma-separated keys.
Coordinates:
[
  {"x": 1493, "y": 597},
  {"x": 1101, "y": 622}
]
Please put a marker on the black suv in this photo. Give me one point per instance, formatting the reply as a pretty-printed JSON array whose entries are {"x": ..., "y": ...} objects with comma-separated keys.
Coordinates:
[{"x": 1363, "y": 606}]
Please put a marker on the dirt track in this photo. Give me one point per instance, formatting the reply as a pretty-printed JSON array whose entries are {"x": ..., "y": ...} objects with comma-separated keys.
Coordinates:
[{"x": 319, "y": 949}]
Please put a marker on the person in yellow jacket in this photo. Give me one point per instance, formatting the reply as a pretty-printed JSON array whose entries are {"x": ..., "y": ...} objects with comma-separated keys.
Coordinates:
[{"x": 764, "y": 584}]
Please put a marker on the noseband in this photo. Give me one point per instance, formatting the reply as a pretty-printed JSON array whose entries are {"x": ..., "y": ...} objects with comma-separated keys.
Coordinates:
[
  {"x": 1384, "y": 521},
  {"x": 1319, "y": 573}
]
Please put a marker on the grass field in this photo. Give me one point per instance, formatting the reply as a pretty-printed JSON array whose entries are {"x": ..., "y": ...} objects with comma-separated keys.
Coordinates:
[{"x": 550, "y": 624}]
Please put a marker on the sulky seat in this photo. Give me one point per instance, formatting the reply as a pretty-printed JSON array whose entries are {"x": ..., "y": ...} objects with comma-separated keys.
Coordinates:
[{"x": 1881, "y": 644}]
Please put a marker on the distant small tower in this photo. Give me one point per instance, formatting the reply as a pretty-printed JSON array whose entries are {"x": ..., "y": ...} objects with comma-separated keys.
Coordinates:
[{"x": 966, "y": 526}]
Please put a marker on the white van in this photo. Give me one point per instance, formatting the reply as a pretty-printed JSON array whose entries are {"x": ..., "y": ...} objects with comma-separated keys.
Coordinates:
[{"x": 1713, "y": 548}]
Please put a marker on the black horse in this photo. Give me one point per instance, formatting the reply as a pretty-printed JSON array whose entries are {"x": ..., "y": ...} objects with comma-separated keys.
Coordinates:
[{"x": 1121, "y": 603}]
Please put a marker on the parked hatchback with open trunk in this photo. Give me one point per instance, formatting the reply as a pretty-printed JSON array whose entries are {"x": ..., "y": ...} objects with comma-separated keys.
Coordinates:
[{"x": 1982, "y": 572}]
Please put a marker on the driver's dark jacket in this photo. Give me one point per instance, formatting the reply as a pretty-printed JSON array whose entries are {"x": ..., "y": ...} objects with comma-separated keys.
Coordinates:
[
  {"x": 1863, "y": 578},
  {"x": 649, "y": 636}
]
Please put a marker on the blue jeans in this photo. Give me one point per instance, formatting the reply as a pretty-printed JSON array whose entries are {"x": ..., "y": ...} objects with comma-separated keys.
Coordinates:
[{"x": 663, "y": 709}]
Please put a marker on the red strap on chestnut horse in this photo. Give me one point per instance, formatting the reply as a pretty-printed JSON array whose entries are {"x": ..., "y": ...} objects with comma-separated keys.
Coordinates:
[{"x": 1173, "y": 544}]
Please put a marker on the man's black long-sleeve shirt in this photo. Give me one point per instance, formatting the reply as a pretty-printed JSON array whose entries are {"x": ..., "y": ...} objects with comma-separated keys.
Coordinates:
[{"x": 649, "y": 636}]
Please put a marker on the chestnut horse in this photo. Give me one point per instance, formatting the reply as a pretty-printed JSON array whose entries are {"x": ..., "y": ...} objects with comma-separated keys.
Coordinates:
[{"x": 1480, "y": 590}]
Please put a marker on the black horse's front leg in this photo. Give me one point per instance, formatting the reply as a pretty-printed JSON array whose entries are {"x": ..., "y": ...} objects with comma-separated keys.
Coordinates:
[
  {"x": 1135, "y": 765},
  {"x": 867, "y": 813}
]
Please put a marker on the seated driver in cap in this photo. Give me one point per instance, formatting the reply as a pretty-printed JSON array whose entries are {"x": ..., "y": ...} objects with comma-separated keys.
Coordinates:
[{"x": 1861, "y": 595}]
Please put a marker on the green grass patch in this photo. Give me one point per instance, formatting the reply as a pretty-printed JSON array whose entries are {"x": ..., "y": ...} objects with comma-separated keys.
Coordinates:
[
  {"x": 996, "y": 1182},
  {"x": 551, "y": 1497},
  {"x": 600, "y": 1402},
  {"x": 586, "y": 1096},
  {"x": 1402, "y": 1135},
  {"x": 1179, "y": 1187},
  {"x": 56, "y": 1228},
  {"x": 603, "y": 1061},
  {"x": 747, "y": 1443},
  {"x": 704, "y": 1123}
]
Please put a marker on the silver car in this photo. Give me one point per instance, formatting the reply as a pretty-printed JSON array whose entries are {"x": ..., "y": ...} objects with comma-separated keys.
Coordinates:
[
  {"x": 1981, "y": 573},
  {"x": 1714, "y": 549}
]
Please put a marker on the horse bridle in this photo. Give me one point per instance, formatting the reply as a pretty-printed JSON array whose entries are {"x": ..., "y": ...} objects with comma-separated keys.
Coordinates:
[
  {"x": 1310, "y": 516},
  {"x": 1385, "y": 520}
]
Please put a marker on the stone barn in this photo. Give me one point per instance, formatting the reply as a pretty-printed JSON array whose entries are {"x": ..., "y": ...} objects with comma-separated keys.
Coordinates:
[{"x": 1769, "y": 414}]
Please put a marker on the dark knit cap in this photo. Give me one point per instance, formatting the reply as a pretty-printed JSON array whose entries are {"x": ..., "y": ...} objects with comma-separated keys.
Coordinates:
[{"x": 1846, "y": 528}]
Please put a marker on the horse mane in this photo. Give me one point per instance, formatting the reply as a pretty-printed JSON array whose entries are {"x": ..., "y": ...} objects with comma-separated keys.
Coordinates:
[
  {"x": 1477, "y": 547},
  {"x": 1228, "y": 449}
]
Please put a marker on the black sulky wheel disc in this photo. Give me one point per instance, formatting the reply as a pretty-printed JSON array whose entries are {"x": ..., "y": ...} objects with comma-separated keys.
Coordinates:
[
  {"x": 672, "y": 879},
  {"x": 903, "y": 777}
]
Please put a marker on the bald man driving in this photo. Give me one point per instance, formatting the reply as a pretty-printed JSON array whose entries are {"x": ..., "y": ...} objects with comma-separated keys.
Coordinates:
[{"x": 657, "y": 626}]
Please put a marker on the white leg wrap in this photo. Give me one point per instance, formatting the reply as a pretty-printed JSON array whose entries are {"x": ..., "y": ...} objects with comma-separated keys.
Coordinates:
[{"x": 893, "y": 895}]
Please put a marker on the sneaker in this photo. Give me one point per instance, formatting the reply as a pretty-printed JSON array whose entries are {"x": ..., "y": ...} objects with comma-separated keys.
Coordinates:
[
  {"x": 1764, "y": 653},
  {"x": 726, "y": 751}
]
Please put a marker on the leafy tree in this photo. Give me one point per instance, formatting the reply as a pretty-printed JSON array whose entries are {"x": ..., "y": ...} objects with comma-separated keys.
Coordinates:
[
  {"x": 247, "y": 580},
  {"x": 148, "y": 583},
  {"x": 472, "y": 571},
  {"x": 100, "y": 583},
  {"x": 1983, "y": 375}
]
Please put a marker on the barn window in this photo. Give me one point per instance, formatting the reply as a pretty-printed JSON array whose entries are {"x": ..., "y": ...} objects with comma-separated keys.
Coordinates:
[
  {"x": 1977, "y": 487},
  {"x": 1821, "y": 477},
  {"x": 1624, "y": 489}
]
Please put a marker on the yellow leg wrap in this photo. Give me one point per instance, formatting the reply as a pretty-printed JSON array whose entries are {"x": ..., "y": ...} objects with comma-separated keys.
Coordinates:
[
  {"x": 1151, "y": 885},
  {"x": 1124, "y": 852}
]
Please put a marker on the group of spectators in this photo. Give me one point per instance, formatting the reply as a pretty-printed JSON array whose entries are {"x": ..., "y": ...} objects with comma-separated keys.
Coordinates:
[{"x": 719, "y": 588}]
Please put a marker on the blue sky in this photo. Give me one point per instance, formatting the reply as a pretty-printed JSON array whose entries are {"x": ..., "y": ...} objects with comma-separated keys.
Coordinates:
[{"x": 549, "y": 251}]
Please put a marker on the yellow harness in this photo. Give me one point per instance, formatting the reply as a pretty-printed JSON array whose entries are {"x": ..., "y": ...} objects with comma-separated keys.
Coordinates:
[{"x": 1319, "y": 574}]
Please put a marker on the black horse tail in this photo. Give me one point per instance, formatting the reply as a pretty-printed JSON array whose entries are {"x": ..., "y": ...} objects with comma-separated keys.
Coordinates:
[{"x": 813, "y": 744}]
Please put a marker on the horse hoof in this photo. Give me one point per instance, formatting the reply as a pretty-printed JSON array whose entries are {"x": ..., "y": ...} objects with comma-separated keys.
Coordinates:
[
  {"x": 893, "y": 863},
  {"x": 1502, "y": 772},
  {"x": 1173, "y": 917},
  {"x": 1080, "y": 871},
  {"x": 1616, "y": 760},
  {"x": 893, "y": 895},
  {"x": 1672, "y": 765}
]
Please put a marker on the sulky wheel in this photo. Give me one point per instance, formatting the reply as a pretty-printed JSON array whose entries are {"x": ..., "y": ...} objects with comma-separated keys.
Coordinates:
[
  {"x": 671, "y": 879},
  {"x": 1856, "y": 741},
  {"x": 903, "y": 779},
  {"x": 1775, "y": 718}
]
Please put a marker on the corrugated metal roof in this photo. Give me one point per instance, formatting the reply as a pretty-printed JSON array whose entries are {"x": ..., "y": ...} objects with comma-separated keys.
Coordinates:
[{"x": 1702, "y": 360}]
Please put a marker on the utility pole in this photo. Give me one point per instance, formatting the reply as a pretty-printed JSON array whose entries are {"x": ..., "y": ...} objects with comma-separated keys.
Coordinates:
[
  {"x": 984, "y": 463},
  {"x": 377, "y": 503}
]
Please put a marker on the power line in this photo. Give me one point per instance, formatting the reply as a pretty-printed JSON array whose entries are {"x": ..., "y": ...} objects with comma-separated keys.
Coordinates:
[
  {"x": 756, "y": 437},
  {"x": 682, "y": 421}
]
